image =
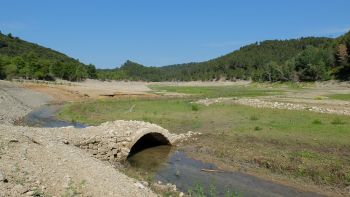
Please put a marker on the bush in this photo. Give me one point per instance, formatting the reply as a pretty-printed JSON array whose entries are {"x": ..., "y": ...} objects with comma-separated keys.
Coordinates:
[
  {"x": 195, "y": 107},
  {"x": 316, "y": 121}
]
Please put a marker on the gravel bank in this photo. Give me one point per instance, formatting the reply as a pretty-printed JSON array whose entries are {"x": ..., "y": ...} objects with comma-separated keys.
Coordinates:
[
  {"x": 16, "y": 102},
  {"x": 341, "y": 109}
]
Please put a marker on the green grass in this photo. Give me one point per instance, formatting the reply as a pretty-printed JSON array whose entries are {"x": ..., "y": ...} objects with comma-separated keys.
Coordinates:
[
  {"x": 218, "y": 91},
  {"x": 180, "y": 116},
  {"x": 344, "y": 97},
  {"x": 303, "y": 144}
]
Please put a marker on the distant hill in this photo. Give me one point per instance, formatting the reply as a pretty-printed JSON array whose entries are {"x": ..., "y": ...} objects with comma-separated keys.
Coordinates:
[
  {"x": 304, "y": 59},
  {"x": 22, "y": 59}
]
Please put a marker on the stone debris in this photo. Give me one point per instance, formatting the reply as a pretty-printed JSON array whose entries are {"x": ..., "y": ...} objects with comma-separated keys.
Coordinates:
[
  {"x": 259, "y": 103},
  {"x": 139, "y": 185}
]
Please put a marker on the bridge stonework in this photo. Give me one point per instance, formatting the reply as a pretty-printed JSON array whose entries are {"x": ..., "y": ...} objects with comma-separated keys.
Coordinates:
[{"x": 112, "y": 141}]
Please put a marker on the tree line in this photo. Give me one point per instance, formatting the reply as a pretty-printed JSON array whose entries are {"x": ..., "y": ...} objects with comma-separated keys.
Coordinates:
[{"x": 304, "y": 59}]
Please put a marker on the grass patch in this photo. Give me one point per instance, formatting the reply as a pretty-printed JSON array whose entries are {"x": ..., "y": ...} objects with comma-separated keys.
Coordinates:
[
  {"x": 218, "y": 91},
  {"x": 254, "y": 117},
  {"x": 338, "y": 121},
  {"x": 344, "y": 97}
]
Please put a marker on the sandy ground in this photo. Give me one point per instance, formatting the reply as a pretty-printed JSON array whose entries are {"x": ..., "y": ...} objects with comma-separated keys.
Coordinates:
[
  {"x": 93, "y": 89},
  {"x": 15, "y": 102}
]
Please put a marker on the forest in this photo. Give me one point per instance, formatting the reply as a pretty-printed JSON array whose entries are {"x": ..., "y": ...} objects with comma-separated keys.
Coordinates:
[
  {"x": 25, "y": 60},
  {"x": 304, "y": 59}
]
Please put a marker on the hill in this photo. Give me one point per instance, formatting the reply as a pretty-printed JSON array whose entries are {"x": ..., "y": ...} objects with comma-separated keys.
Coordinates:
[
  {"x": 22, "y": 59},
  {"x": 304, "y": 59}
]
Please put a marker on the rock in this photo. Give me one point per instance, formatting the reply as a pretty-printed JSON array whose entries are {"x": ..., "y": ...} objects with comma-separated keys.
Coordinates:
[
  {"x": 13, "y": 141},
  {"x": 181, "y": 194},
  {"x": 65, "y": 141},
  {"x": 30, "y": 193},
  {"x": 139, "y": 185}
]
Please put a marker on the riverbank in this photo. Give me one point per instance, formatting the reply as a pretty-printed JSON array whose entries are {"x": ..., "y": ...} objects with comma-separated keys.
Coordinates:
[
  {"x": 16, "y": 101},
  {"x": 38, "y": 162}
]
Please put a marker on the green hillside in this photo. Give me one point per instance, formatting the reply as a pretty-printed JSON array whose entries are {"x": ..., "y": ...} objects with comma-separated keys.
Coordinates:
[
  {"x": 304, "y": 59},
  {"x": 22, "y": 59}
]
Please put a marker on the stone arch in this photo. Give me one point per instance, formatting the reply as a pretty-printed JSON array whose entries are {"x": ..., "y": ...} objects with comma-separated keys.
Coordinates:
[{"x": 147, "y": 140}]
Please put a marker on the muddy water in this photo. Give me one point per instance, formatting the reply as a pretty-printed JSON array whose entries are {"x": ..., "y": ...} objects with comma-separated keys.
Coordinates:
[
  {"x": 176, "y": 167},
  {"x": 45, "y": 116},
  {"x": 171, "y": 166}
]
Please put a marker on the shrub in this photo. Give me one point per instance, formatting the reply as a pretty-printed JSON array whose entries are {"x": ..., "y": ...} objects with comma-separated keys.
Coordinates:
[
  {"x": 195, "y": 108},
  {"x": 316, "y": 121},
  {"x": 257, "y": 128}
]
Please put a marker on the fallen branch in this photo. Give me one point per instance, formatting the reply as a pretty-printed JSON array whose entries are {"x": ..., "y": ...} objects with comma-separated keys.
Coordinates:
[{"x": 209, "y": 170}]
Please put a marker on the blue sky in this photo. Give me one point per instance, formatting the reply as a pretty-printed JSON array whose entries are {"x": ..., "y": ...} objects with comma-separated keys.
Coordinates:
[{"x": 161, "y": 32}]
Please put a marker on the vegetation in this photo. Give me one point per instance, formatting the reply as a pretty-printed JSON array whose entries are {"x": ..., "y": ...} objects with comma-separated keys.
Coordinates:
[
  {"x": 217, "y": 91},
  {"x": 296, "y": 144},
  {"x": 345, "y": 97},
  {"x": 304, "y": 59},
  {"x": 21, "y": 59}
]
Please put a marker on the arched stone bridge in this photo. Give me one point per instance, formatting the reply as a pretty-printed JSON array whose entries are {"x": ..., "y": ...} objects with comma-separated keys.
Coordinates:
[{"x": 115, "y": 141}]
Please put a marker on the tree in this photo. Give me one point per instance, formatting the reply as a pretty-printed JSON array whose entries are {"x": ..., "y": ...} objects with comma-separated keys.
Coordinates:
[
  {"x": 91, "y": 71},
  {"x": 342, "y": 55},
  {"x": 311, "y": 64},
  {"x": 10, "y": 71},
  {"x": 10, "y": 35}
]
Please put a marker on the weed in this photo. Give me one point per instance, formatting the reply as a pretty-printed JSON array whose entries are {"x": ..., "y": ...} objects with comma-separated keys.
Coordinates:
[
  {"x": 316, "y": 121},
  {"x": 38, "y": 193},
  {"x": 337, "y": 121},
  {"x": 254, "y": 117},
  {"x": 74, "y": 190},
  {"x": 194, "y": 107},
  {"x": 257, "y": 128},
  {"x": 197, "y": 191}
]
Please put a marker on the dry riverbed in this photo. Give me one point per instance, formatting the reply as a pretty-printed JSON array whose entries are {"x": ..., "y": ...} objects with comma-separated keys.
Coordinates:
[{"x": 37, "y": 162}]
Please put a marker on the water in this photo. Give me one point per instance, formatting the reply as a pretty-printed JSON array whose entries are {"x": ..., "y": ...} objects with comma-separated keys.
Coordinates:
[
  {"x": 45, "y": 116},
  {"x": 177, "y": 168},
  {"x": 171, "y": 166}
]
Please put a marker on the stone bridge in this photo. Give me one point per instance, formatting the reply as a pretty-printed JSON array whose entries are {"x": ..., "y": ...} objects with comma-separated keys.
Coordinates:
[{"x": 115, "y": 141}]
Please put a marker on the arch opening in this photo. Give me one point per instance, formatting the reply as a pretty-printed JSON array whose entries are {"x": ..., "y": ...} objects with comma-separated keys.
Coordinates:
[{"x": 147, "y": 141}]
